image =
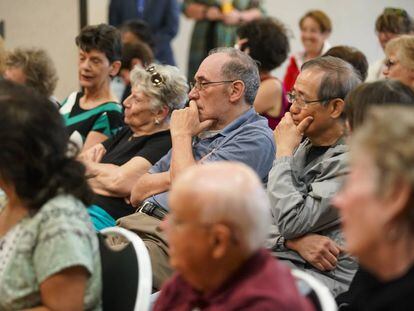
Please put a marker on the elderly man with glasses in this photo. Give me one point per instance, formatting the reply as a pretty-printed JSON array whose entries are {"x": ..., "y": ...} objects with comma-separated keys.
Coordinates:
[
  {"x": 308, "y": 171},
  {"x": 220, "y": 124}
]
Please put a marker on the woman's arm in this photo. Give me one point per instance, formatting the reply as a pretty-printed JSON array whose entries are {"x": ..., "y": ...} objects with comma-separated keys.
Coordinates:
[
  {"x": 64, "y": 291},
  {"x": 92, "y": 139},
  {"x": 113, "y": 180},
  {"x": 269, "y": 98}
]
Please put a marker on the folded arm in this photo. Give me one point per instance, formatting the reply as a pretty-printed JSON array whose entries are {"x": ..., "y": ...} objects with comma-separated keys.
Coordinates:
[{"x": 113, "y": 180}]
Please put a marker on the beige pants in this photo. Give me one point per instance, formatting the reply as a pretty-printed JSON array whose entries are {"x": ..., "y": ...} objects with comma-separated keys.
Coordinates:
[{"x": 148, "y": 229}]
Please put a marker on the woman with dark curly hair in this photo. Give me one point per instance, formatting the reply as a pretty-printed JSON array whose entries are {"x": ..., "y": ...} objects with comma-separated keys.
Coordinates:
[
  {"x": 266, "y": 41},
  {"x": 48, "y": 248},
  {"x": 93, "y": 115}
]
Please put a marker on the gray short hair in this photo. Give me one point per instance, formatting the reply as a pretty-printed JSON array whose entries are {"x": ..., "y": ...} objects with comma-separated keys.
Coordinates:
[
  {"x": 240, "y": 67},
  {"x": 172, "y": 93},
  {"x": 236, "y": 198},
  {"x": 339, "y": 76}
]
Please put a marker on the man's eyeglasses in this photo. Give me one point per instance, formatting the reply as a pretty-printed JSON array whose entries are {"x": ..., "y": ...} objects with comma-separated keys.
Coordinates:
[
  {"x": 198, "y": 85},
  {"x": 156, "y": 78},
  {"x": 389, "y": 63},
  {"x": 293, "y": 97}
]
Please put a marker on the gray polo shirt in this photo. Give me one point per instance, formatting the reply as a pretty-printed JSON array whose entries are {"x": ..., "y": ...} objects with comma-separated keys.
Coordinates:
[{"x": 247, "y": 139}]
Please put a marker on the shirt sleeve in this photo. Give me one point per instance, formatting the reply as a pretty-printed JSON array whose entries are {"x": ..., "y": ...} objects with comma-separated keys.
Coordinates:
[
  {"x": 250, "y": 147},
  {"x": 299, "y": 208},
  {"x": 66, "y": 238},
  {"x": 108, "y": 123},
  {"x": 155, "y": 149}
]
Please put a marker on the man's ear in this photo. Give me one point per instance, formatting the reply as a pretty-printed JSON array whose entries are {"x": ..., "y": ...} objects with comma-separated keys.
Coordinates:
[
  {"x": 336, "y": 107},
  {"x": 115, "y": 66},
  {"x": 221, "y": 239},
  {"x": 237, "y": 91}
]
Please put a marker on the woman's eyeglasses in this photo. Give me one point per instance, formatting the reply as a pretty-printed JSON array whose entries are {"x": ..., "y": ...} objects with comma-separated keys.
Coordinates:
[
  {"x": 156, "y": 78},
  {"x": 389, "y": 63}
]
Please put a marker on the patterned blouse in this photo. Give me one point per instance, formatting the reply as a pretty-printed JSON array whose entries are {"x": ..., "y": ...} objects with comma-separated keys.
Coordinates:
[{"x": 58, "y": 236}]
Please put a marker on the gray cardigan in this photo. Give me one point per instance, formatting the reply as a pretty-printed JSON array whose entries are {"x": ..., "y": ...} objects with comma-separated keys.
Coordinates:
[{"x": 300, "y": 198}]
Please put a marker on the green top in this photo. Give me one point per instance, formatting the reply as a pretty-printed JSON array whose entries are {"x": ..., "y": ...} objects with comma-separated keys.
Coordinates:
[
  {"x": 58, "y": 236},
  {"x": 207, "y": 34}
]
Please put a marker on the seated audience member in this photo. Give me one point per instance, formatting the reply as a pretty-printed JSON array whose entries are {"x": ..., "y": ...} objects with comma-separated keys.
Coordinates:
[
  {"x": 134, "y": 31},
  {"x": 49, "y": 251},
  {"x": 220, "y": 124},
  {"x": 216, "y": 236},
  {"x": 393, "y": 22},
  {"x": 351, "y": 55},
  {"x": 114, "y": 165},
  {"x": 307, "y": 173},
  {"x": 93, "y": 115},
  {"x": 358, "y": 102},
  {"x": 133, "y": 54},
  {"x": 376, "y": 206},
  {"x": 266, "y": 41},
  {"x": 315, "y": 29},
  {"x": 399, "y": 63},
  {"x": 34, "y": 68},
  {"x": 378, "y": 93}
]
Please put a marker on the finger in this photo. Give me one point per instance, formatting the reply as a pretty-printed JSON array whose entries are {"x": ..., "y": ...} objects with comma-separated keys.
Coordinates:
[
  {"x": 205, "y": 125},
  {"x": 326, "y": 264},
  {"x": 318, "y": 266},
  {"x": 331, "y": 258},
  {"x": 304, "y": 124},
  {"x": 193, "y": 106},
  {"x": 334, "y": 249}
]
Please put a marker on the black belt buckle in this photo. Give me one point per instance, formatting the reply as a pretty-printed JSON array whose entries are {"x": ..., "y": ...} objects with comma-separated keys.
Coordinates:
[{"x": 152, "y": 209}]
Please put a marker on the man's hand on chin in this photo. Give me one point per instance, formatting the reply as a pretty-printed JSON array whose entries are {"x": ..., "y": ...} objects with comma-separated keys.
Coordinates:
[{"x": 186, "y": 122}]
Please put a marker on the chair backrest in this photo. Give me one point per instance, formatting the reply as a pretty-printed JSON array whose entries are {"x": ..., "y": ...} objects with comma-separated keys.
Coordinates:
[
  {"x": 315, "y": 290},
  {"x": 126, "y": 272}
]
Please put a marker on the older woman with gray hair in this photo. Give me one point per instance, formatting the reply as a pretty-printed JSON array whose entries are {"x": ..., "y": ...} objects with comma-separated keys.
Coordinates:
[
  {"x": 377, "y": 210},
  {"x": 114, "y": 165}
]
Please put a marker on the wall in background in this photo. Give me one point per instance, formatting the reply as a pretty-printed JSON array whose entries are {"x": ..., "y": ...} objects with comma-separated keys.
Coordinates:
[{"x": 53, "y": 25}]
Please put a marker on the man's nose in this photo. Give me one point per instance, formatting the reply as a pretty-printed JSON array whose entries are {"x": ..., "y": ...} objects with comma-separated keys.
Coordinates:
[{"x": 194, "y": 94}]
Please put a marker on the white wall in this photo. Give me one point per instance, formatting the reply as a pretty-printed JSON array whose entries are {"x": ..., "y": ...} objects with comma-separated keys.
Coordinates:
[{"x": 53, "y": 25}]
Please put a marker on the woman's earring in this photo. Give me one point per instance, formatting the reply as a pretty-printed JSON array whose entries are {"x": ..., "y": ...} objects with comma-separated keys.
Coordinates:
[{"x": 157, "y": 122}]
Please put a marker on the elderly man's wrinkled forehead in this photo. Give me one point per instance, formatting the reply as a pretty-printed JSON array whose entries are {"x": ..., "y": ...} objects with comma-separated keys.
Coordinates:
[{"x": 211, "y": 67}]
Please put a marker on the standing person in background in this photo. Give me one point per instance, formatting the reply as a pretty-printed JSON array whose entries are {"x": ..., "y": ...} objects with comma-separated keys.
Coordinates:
[
  {"x": 93, "y": 115},
  {"x": 266, "y": 41},
  {"x": 392, "y": 23},
  {"x": 216, "y": 22},
  {"x": 162, "y": 16},
  {"x": 315, "y": 29}
]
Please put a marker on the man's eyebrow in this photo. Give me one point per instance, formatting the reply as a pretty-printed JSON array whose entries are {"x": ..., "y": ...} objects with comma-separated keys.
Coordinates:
[{"x": 200, "y": 78}]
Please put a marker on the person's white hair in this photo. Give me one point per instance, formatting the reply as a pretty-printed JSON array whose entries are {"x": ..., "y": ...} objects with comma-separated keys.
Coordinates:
[
  {"x": 230, "y": 193},
  {"x": 171, "y": 92}
]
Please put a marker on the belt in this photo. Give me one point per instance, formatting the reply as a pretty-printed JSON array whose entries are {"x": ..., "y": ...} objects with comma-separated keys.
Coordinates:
[{"x": 152, "y": 209}]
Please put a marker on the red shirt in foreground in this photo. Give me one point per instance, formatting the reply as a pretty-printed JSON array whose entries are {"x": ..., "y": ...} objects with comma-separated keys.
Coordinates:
[{"x": 262, "y": 283}]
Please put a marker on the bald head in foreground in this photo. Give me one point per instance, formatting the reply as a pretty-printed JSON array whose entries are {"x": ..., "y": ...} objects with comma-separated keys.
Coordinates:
[{"x": 216, "y": 227}]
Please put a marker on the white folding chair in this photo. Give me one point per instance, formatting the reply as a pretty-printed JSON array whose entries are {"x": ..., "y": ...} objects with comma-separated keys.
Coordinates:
[
  {"x": 126, "y": 272},
  {"x": 315, "y": 290}
]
